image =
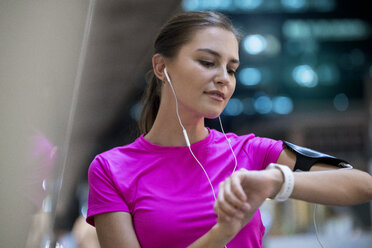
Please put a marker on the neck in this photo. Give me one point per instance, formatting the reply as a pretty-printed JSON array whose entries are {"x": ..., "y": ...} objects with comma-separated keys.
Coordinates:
[{"x": 167, "y": 131}]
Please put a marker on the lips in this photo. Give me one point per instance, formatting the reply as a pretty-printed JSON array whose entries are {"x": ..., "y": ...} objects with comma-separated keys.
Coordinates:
[{"x": 215, "y": 94}]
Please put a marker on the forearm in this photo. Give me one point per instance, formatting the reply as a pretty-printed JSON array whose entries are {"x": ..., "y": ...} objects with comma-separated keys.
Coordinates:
[
  {"x": 214, "y": 238},
  {"x": 333, "y": 187}
]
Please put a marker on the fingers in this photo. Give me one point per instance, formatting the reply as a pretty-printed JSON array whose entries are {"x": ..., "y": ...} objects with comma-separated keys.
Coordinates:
[
  {"x": 231, "y": 200},
  {"x": 226, "y": 207},
  {"x": 237, "y": 189},
  {"x": 233, "y": 194},
  {"x": 221, "y": 213}
]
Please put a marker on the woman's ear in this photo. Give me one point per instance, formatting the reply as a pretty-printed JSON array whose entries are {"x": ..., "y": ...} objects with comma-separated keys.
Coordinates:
[{"x": 158, "y": 65}]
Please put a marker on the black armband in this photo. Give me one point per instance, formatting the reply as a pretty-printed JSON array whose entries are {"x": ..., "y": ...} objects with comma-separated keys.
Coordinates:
[{"x": 306, "y": 158}]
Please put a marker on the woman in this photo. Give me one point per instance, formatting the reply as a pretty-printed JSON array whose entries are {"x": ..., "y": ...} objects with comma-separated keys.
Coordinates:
[{"x": 167, "y": 189}]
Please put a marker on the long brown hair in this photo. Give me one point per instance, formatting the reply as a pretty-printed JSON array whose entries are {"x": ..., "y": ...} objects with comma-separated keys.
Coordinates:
[{"x": 172, "y": 36}]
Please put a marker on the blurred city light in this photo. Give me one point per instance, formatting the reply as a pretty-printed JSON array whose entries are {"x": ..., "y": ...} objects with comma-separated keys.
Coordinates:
[
  {"x": 234, "y": 107},
  {"x": 282, "y": 105},
  {"x": 263, "y": 104},
  {"x": 305, "y": 76},
  {"x": 345, "y": 29},
  {"x": 296, "y": 29},
  {"x": 323, "y": 5},
  {"x": 273, "y": 46},
  {"x": 266, "y": 44},
  {"x": 191, "y": 5},
  {"x": 254, "y": 44},
  {"x": 260, "y": 5},
  {"x": 341, "y": 102},
  {"x": 248, "y": 4},
  {"x": 294, "y": 4},
  {"x": 250, "y": 76}
]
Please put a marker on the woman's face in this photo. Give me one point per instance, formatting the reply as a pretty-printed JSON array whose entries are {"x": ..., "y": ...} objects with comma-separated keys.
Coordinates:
[{"x": 203, "y": 72}]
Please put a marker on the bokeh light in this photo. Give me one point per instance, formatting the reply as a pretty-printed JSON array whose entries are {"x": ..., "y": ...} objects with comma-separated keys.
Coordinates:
[
  {"x": 263, "y": 104},
  {"x": 254, "y": 44},
  {"x": 250, "y": 76},
  {"x": 273, "y": 46},
  {"x": 305, "y": 76},
  {"x": 282, "y": 105},
  {"x": 294, "y": 4},
  {"x": 234, "y": 107},
  {"x": 322, "y": 29},
  {"x": 191, "y": 5},
  {"x": 341, "y": 102},
  {"x": 248, "y": 4},
  {"x": 296, "y": 29}
]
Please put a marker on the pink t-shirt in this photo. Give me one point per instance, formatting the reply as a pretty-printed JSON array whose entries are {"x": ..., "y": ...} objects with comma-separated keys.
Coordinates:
[{"x": 167, "y": 193}]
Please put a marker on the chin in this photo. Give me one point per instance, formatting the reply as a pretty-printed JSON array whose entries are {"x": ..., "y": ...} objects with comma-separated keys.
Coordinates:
[
  {"x": 211, "y": 111},
  {"x": 212, "y": 115}
]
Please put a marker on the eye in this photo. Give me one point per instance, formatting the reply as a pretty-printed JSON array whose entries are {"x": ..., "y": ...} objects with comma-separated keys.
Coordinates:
[
  {"x": 206, "y": 63},
  {"x": 231, "y": 72}
]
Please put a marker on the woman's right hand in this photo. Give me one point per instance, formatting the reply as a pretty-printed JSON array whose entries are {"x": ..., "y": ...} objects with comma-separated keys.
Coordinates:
[{"x": 241, "y": 195}]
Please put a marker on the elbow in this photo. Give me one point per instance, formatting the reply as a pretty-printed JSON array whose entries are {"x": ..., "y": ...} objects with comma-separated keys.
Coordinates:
[
  {"x": 363, "y": 192},
  {"x": 367, "y": 189}
]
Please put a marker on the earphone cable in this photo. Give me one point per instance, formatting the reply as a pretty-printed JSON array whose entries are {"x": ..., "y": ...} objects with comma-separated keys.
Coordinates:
[
  {"x": 175, "y": 96},
  {"x": 229, "y": 142},
  {"x": 205, "y": 172},
  {"x": 316, "y": 228}
]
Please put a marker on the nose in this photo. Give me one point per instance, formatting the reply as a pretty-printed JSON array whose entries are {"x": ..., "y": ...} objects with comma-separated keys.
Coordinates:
[{"x": 222, "y": 77}]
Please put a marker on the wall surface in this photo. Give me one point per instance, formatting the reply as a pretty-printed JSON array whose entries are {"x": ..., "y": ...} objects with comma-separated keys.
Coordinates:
[{"x": 40, "y": 47}]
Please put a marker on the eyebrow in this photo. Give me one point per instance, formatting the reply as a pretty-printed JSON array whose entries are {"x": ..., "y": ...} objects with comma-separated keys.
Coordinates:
[{"x": 235, "y": 61}]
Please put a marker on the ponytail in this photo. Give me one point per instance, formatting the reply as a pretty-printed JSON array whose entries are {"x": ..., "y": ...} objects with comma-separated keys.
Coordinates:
[{"x": 150, "y": 103}]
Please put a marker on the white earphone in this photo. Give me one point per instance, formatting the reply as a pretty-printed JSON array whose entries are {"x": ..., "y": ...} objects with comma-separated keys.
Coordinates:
[{"x": 179, "y": 119}]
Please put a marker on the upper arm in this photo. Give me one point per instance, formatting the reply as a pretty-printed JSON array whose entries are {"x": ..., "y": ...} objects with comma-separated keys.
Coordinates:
[
  {"x": 115, "y": 230},
  {"x": 287, "y": 157},
  {"x": 105, "y": 196}
]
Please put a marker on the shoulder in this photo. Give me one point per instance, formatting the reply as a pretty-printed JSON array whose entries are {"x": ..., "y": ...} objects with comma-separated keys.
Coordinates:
[
  {"x": 250, "y": 141},
  {"x": 266, "y": 150},
  {"x": 219, "y": 137},
  {"x": 117, "y": 158},
  {"x": 253, "y": 140}
]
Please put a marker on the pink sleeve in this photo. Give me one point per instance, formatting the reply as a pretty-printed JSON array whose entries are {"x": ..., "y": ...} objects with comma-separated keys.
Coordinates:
[
  {"x": 103, "y": 194},
  {"x": 264, "y": 151}
]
